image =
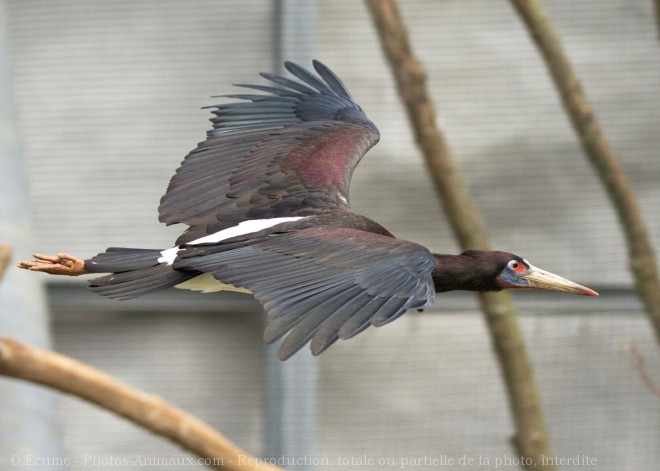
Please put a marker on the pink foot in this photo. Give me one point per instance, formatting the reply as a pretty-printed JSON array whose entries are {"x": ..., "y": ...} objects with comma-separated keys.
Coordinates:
[{"x": 60, "y": 264}]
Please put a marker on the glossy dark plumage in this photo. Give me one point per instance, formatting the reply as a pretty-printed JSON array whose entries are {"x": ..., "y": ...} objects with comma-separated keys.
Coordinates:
[
  {"x": 334, "y": 279},
  {"x": 288, "y": 152},
  {"x": 266, "y": 199}
]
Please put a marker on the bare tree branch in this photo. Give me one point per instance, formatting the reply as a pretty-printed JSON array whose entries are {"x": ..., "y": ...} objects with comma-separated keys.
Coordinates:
[
  {"x": 531, "y": 434},
  {"x": 639, "y": 362},
  {"x": 599, "y": 151},
  {"x": 151, "y": 412},
  {"x": 5, "y": 258}
]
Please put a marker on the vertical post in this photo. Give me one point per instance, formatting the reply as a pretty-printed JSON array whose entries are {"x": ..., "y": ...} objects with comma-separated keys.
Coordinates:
[
  {"x": 291, "y": 386},
  {"x": 27, "y": 413}
]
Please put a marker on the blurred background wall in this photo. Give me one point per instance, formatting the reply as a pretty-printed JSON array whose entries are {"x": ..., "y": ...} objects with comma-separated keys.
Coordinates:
[{"x": 109, "y": 97}]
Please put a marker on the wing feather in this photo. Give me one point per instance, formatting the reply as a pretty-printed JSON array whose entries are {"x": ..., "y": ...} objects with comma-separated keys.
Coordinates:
[
  {"x": 276, "y": 154},
  {"x": 332, "y": 80},
  {"x": 307, "y": 77},
  {"x": 323, "y": 283}
]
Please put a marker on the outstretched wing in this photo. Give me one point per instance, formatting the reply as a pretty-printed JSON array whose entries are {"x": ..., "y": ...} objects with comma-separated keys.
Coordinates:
[
  {"x": 322, "y": 284},
  {"x": 276, "y": 154}
]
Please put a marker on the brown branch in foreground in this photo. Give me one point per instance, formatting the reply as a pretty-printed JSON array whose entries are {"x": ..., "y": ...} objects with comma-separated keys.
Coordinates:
[
  {"x": 531, "y": 438},
  {"x": 5, "y": 258},
  {"x": 639, "y": 363},
  {"x": 151, "y": 412},
  {"x": 599, "y": 151}
]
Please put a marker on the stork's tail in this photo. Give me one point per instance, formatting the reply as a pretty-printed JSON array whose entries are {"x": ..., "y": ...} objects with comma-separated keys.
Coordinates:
[{"x": 133, "y": 273}]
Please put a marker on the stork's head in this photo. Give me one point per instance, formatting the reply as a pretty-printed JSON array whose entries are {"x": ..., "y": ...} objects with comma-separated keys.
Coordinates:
[{"x": 517, "y": 273}]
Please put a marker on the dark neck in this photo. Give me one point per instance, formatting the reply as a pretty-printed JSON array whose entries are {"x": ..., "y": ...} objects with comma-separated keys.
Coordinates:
[{"x": 461, "y": 272}]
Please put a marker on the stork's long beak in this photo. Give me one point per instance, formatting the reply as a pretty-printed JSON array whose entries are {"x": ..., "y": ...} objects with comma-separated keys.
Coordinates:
[{"x": 541, "y": 279}]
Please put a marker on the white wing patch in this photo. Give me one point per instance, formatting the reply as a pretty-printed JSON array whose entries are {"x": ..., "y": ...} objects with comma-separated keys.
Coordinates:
[
  {"x": 168, "y": 255},
  {"x": 242, "y": 228},
  {"x": 245, "y": 227}
]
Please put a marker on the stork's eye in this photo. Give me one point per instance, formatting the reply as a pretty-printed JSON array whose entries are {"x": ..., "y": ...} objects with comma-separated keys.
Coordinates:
[{"x": 516, "y": 266}]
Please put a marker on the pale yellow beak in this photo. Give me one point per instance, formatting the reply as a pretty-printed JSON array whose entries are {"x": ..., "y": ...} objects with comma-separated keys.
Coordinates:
[{"x": 541, "y": 279}]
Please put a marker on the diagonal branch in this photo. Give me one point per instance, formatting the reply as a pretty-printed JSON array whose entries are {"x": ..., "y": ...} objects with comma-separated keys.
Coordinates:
[
  {"x": 531, "y": 435},
  {"x": 151, "y": 412},
  {"x": 639, "y": 363},
  {"x": 599, "y": 151},
  {"x": 5, "y": 258}
]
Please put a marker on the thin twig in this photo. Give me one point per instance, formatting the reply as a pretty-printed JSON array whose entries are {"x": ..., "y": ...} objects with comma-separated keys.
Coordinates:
[
  {"x": 531, "y": 434},
  {"x": 5, "y": 258},
  {"x": 599, "y": 151},
  {"x": 639, "y": 363},
  {"x": 151, "y": 412}
]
